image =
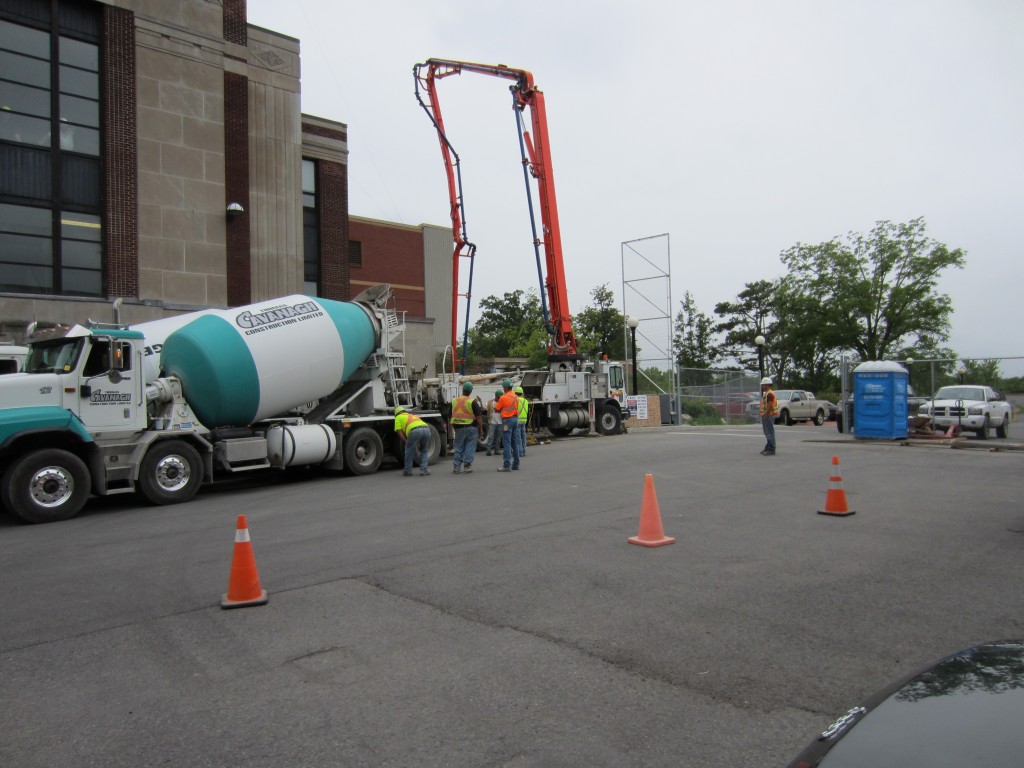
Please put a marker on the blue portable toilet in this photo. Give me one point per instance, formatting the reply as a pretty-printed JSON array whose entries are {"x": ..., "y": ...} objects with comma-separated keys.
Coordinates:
[{"x": 880, "y": 400}]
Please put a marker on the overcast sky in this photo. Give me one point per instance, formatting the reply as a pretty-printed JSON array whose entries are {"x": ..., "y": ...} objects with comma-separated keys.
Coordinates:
[{"x": 737, "y": 128}]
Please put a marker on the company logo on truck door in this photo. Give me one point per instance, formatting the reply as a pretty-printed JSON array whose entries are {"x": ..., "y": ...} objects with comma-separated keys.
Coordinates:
[
  {"x": 275, "y": 317},
  {"x": 99, "y": 397}
]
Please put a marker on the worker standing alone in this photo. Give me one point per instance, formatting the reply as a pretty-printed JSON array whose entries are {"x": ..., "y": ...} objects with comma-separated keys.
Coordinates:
[
  {"x": 769, "y": 410},
  {"x": 524, "y": 412},
  {"x": 508, "y": 406},
  {"x": 468, "y": 424}
]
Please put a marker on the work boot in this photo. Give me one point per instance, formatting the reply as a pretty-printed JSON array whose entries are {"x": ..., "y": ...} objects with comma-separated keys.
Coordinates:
[
  {"x": 504, "y": 469},
  {"x": 457, "y": 471},
  {"x": 424, "y": 472},
  {"x": 468, "y": 468},
  {"x": 406, "y": 473}
]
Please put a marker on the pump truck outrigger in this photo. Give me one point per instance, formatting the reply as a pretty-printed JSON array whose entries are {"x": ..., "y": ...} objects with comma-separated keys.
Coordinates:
[
  {"x": 162, "y": 407},
  {"x": 573, "y": 392}
]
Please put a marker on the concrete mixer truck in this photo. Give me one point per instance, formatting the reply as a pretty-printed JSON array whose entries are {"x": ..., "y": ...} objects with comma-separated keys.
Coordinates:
[{"x": 161, "y": 408}]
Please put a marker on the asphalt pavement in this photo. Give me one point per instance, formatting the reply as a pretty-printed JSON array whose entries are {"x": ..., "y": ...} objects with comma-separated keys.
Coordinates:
[{"x": 502, "y": 619}]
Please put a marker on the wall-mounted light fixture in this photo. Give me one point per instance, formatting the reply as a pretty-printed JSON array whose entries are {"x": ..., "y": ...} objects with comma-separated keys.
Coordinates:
[{"x": 235, "y": 210}]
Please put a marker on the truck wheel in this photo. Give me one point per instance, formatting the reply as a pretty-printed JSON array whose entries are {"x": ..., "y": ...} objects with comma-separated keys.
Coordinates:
[
  {"x": 46, "y": 486},
  {"x": 1003, "y": 430},
  {"x": 839, "y": 421},
  {"x": 784, "y": 418},
  {"x": 438, "y": 447},
  {"x": 986, "y": 426},
  {"x": 171, "y": 472},
  {"x": 363, "y": 452},
  {"x": 819, "y": 418},
  {"x": 610, "y": 420}
]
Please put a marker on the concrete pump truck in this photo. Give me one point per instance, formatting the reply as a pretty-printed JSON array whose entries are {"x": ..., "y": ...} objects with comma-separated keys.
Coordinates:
[{"x": 573, "y": 392}]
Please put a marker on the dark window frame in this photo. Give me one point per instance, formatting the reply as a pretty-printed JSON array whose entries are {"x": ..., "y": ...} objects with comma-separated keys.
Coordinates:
[{"x": 81, "y": 22}]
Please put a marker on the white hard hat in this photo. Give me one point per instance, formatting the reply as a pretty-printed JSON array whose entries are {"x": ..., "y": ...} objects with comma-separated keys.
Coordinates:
[{"x": 766, "y": 380}]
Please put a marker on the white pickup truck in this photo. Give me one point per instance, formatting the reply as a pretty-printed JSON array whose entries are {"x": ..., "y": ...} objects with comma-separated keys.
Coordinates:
[
  {"x": 12, "y": 357},
  {"x": 970, "y": 407},
  {"x": 795, "y": 405}
]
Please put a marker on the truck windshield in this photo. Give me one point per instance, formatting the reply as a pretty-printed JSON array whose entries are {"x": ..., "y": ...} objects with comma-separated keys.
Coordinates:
[
  {"x": 960, "y": 393},
  {"x": 59, "y": 356}
]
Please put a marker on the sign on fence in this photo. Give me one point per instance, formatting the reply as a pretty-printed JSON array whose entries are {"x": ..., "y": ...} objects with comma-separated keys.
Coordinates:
[{"x": 637, "y": 405}]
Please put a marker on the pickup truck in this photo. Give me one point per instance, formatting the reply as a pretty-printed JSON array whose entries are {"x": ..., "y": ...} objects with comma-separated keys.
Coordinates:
[
  {"x": 795, "y": 405},
  {"x": 12, "y": 357},
  {"x": 970, "y": 407}
]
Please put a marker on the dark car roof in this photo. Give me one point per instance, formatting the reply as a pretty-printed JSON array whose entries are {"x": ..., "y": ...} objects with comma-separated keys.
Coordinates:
[{"x": 967, "y": 709}]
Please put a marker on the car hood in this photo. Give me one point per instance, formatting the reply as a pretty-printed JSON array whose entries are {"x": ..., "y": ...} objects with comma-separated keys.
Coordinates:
[{"x": 966, "y": 709}]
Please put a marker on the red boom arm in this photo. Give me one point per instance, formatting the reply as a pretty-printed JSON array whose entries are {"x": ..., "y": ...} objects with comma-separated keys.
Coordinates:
[{"x": 526, "y": 95}]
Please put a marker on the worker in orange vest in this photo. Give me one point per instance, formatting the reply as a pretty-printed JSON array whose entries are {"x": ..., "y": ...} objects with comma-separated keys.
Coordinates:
[
  {"x": 415, "y": 434},
  {"x": 467, "y": 421},
  {"x": 769, "y": 410},
  {"x": 508, "y": 407}
]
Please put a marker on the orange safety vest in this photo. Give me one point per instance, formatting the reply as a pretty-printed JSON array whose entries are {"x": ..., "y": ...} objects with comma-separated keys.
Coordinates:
[
  {"x": 407, "y": 422},
  {"x": 508, "y": 405},
  {"x": 462, "y": 411},
  {"x": 769, "y": 404}
]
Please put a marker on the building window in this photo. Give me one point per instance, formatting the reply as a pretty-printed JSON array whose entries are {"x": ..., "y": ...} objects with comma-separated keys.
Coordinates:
[
  {"x": 310, "y": 230},
  {"x": 355, "y": 253},
  {"x": 50, "y": 180}
]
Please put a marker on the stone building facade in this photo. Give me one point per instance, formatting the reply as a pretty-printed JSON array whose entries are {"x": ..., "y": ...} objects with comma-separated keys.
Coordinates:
[{"x": 155, "y": 151}]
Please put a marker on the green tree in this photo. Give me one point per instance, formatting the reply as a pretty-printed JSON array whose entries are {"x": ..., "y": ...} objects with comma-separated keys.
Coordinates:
[
  {"x": 510, "y": 326},
  {"x": 600, "y": 328},
  {"x": 983, "y": 371},
  {"x": 754, "y": 312},
  {"x": 873, "y": 294},
  {"x": 653, "y": 381},
  {"x": 694, "y": 338}
]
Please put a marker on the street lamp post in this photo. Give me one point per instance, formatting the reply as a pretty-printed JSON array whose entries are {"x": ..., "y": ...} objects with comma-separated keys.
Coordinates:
[
  {"x": 633, "y": 322},
  {"x": 759, "y": 340},
  {"x": 962, "y": 372}
]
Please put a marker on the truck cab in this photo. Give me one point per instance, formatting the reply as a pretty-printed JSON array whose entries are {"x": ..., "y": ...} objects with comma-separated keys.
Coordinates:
[{"x": 90, "y": 372}]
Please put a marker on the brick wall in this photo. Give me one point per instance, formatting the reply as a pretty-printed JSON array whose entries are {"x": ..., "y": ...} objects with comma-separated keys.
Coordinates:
[
  {"x": 235, "y": 22},
  {"x": 236, "y": 186},
  {"x": 393, "y": 254},
  {"x": 120, "y": 148},
  {"x": 332, "y": 199}
]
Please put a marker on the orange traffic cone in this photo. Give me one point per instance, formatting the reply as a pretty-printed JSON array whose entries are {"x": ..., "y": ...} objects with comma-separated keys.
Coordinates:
[
  {"x": 651, "y": 534},
  {"x": 835, "y": 499},
  {"x": 244, "y": 586}
]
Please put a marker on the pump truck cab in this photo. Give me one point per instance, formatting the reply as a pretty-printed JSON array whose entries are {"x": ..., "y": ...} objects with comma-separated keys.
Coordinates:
[{"x": 160, "y": 408}]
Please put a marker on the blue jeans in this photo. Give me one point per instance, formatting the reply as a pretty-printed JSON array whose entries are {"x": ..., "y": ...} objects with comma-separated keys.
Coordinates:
[
  {"x": 494, "y": 437},
  {"x": 465, "y": 445},
  {"x": 417, "y": 441},
  {"x": 521, "y": 437},
  {"x": 768, "y": 425},
  {"x": 509, "y": 445}
]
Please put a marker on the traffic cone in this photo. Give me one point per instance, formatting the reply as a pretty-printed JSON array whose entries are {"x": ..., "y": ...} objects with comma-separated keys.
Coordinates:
[
  {"x": 835, "y": 499},
  {"x": 244, "y": 585},
  {"x": 651, "y": 534}
]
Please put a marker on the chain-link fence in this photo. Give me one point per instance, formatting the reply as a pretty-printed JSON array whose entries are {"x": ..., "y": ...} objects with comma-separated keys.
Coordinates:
[
  {"x": 728, "y": 392},
  {"x": 733, "y": 394},
  {"x": 1005, "y": 374}
]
